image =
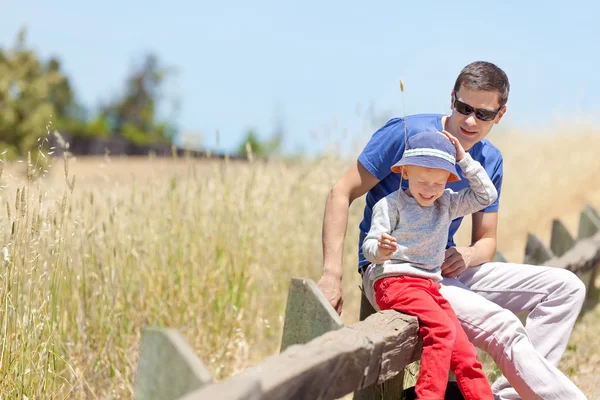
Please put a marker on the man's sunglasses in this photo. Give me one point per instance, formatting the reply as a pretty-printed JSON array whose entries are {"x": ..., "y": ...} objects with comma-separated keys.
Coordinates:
[{"x": 480, "y": 113}]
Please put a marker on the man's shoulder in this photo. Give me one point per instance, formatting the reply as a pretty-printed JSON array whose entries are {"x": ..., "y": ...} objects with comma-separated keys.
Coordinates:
[
  {"x": 424, "y": 116},
  {"x": 419, "y": 122},
  {"x": 487, "y": 152},
  {"x": 415, "y": 123}
]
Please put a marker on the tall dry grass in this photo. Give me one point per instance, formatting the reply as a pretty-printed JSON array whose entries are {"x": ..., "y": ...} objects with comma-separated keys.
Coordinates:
[
  {"x": 547, "y": 174},
  {"x": 207, "y": 247}
]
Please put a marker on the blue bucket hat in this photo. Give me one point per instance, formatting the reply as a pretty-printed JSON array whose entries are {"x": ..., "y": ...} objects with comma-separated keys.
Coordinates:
[{"x": 430, "y": 150}]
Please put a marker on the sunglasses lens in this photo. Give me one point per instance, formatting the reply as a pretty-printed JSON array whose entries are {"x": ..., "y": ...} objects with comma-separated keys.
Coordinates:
[
  {"x": 463, "y": 108},
  {"x": 485, "y": 115}
]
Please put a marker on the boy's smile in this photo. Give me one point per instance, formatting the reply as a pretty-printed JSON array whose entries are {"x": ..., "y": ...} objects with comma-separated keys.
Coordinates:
[{"x": 425, "y": 185}]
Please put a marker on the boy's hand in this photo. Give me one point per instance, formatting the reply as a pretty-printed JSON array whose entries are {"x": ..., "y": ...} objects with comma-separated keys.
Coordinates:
[
  {"x": 460, "y": 151},
  {"x": 386, "y": 244}
]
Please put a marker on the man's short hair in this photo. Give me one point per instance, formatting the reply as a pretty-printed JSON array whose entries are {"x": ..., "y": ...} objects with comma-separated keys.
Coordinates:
[{"x": 483, "y": 75}]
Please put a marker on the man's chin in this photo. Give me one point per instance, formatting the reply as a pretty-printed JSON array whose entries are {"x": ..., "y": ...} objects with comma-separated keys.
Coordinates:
[{"x": 468, "y": 141}]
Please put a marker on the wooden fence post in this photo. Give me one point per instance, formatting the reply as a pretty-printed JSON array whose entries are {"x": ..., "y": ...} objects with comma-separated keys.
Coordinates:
[
  {"x": 589, "y": 225},
  {"x": 393, "y": 389},
  {"x": 167, "y": 368},
  {"x": 589, "y": 222},
  {"x": 561, "y": 240},
  {"x": 308, "y": 314},
  {"x": 390, "y": 389},
  {"x": 535, "y": 251}
]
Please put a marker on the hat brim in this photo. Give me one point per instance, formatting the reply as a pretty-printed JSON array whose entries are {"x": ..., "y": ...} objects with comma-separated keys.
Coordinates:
[{"x": 427, "y": 162}]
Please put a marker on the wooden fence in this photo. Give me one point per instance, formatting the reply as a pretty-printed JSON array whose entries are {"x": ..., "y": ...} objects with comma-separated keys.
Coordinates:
[{"x": 321, "y": 358}]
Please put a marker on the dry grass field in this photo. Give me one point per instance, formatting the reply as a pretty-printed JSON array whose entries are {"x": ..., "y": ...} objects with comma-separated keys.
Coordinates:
[{"x": 208, "y": 247}]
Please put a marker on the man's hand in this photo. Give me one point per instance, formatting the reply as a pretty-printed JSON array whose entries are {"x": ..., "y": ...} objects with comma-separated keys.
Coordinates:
[
  {"x": 331, "y": 286},
  {"x": 457, "y": 260}
]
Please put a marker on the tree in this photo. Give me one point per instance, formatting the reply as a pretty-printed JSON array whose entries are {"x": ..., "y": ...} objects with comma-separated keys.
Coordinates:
[
  {"x": 32, "y": 94},
  {"x": 258, "y": 148},
  {"x": 134, "y": 115}
]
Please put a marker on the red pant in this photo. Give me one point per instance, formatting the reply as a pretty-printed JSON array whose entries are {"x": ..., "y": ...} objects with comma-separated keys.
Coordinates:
[{"x": 445, "y": 344}]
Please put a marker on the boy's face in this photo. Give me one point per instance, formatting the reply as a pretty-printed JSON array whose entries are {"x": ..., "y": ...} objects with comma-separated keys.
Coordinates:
[
  {"x": 426, "y": 185},
  {"x": 470, "y": 129}
]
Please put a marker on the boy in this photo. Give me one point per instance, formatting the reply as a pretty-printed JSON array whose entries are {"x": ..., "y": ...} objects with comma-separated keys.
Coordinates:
[{"x": 406, "y": 245}]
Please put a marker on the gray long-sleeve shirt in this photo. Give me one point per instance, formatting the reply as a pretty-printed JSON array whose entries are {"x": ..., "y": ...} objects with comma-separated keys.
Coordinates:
[{"x": 422, "y": 232}]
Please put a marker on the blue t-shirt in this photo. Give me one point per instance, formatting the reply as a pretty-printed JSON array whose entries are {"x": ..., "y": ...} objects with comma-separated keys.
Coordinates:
[{"x": 386, "y": 148}]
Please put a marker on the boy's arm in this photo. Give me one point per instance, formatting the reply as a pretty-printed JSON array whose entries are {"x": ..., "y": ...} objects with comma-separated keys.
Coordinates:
[
  {"x": 479, "y": 195},
  {"x": 383, "y": 219}
]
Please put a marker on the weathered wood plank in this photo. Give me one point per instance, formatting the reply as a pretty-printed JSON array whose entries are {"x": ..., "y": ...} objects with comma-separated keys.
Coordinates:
[
  {"x": 583, "y": 256},
  {"x": 243, "y": 387},
  {"x": 535, "y": 251},
  {"x": 584, "y": 260},
  {"x": 308, "y": 314},
  {"x": 589, "y": 222},
  {"x": 593, "y": 210},
  {"x": 333, "y": 364},
  {"x": 561, "y": 240},
  {"x": 168, "y": 367},
  {"x": 401, "y": 341}
]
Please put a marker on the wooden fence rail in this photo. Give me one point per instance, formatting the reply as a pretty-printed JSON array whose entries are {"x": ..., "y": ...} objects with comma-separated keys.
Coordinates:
[{"x": 321, "y": 358}]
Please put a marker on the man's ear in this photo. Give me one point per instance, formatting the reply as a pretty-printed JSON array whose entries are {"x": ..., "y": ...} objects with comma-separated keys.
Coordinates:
[{"x": 500, "y": 115}]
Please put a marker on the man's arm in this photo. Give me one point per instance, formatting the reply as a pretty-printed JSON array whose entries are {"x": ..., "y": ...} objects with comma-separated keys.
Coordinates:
[
  {"x": 353, "y": 184},
  {"x": 482, "y": 248},
  {"x": 483, "y": 238}
]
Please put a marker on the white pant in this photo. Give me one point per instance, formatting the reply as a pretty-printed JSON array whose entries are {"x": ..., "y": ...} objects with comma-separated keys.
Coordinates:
[{"x": 485, "y": 299}]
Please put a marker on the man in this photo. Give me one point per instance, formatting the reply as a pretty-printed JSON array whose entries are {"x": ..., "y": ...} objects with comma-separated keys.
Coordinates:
[{"x": 485, "y": 295}]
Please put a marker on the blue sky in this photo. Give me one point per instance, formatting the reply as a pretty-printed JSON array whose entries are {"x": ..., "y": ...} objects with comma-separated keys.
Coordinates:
[{"x": 319, "y": 66}]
